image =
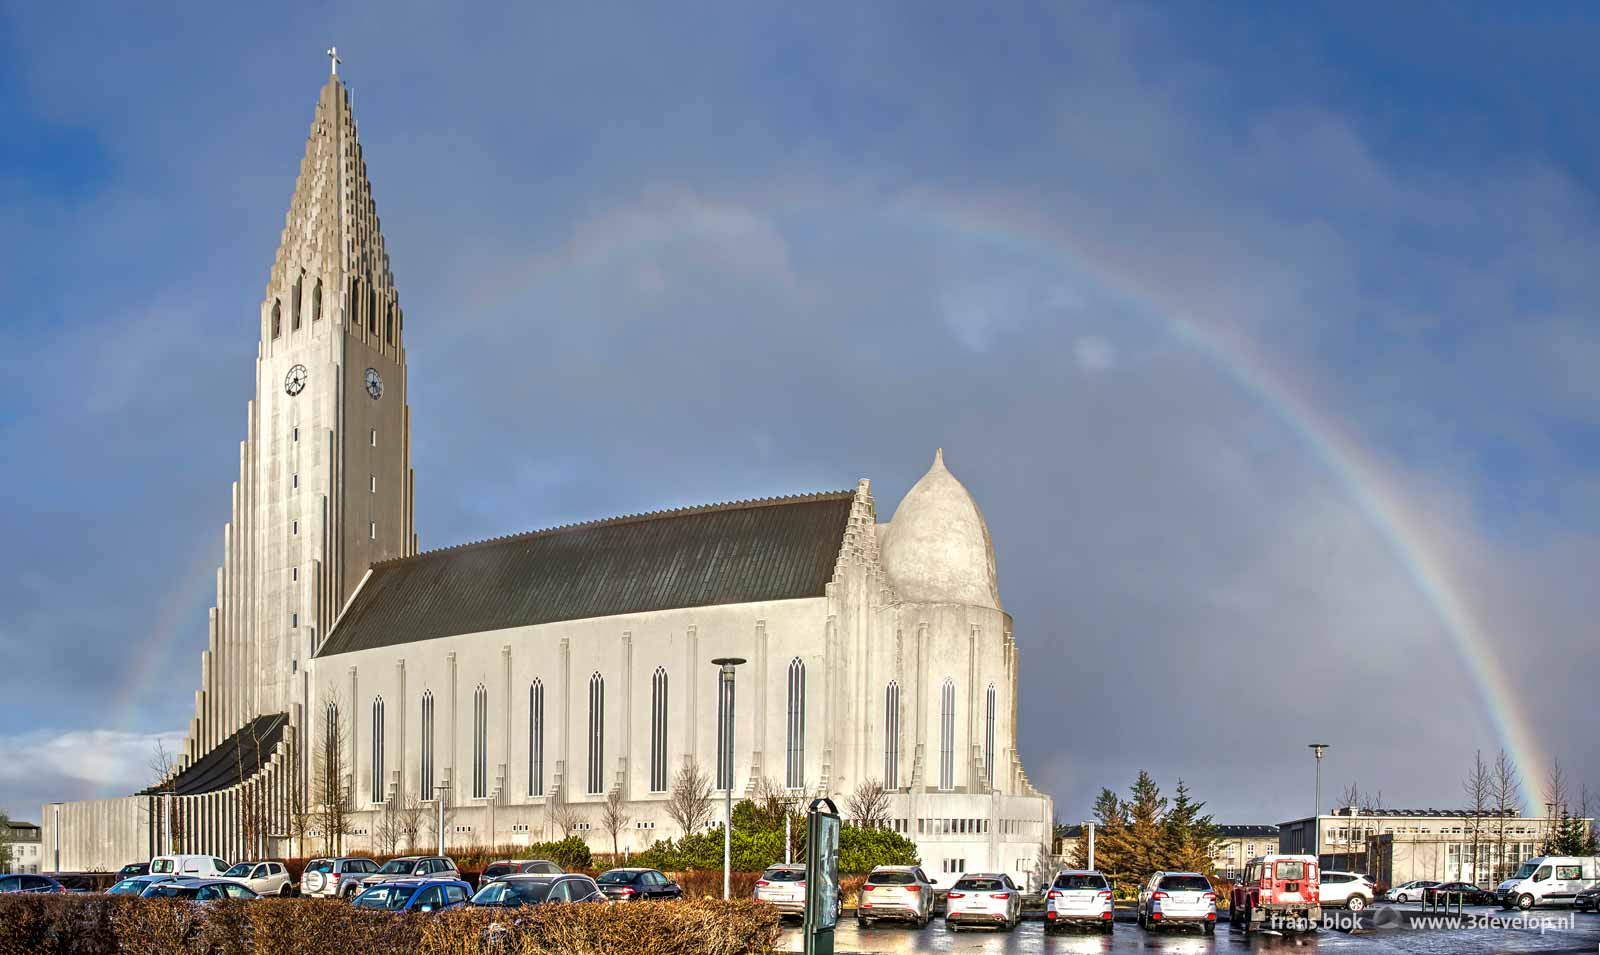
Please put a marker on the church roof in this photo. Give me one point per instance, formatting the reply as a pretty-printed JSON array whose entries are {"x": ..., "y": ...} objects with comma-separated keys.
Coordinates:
[
  {"x": 743, "y": 552},
  {"x": 230, "y": 762}
]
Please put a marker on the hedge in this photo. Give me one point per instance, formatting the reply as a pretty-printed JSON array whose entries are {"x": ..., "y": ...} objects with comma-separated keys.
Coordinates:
[{"x": 120, "y": 925}]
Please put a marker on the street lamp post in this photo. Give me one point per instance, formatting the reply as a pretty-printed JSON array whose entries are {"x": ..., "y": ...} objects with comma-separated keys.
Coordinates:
[
  {"x": 725, "y": 765},
  {"x": 439, "y": 794},
  {"x": 1316, "y": 820}
]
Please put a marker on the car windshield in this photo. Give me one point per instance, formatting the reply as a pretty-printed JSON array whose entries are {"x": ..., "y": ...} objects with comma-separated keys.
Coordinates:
[
  {"x": 980, "y": 885},
  {"x": 239, "y": 871},
  {"x": 1189, "y": 883},
  {"x": 161, "y": 865},
  {"x": 618, "y": 878},
  {"x": 1291, "y": 870},
  {"x": 397, "y": 867},
  {"x": 529, "y": 891},
  {"x": 128, "y": 887},
  {"x": 1080, "y": 882},
  {"x": 167, "y": 890},
  {"x": 1527, "y": 870},
  {"x": 891, "y": 878},
  {"x": 784, "y": 875},
  {"x": 384, "y": 897}
]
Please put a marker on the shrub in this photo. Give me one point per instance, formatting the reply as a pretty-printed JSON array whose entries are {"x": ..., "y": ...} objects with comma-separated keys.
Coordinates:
[{"x": 102, "y": 925}]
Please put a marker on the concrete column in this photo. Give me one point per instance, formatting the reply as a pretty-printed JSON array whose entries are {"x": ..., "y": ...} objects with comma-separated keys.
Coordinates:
[{"x": 625, "y": 763}]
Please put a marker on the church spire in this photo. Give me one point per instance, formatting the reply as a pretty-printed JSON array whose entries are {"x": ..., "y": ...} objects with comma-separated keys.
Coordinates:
[{"x": 332, "y": 238}]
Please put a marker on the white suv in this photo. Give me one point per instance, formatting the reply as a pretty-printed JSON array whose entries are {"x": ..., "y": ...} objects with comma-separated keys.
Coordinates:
[
  {"x": 1080, "y": 896},
  {"x": 1349, "y": 889},
  {"x": 896, "y": 892},
  {"x": 1178, "y": 897},
  {"x": 335, "y": 878}
]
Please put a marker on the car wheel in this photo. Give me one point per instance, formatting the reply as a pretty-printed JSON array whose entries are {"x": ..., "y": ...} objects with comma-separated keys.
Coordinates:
[
  {"x": 1210, "y": 928},
  {"x": 1108, "y": 926},
  {"x": 950, "y": 926},
  {"x": 1355, "y": 903},
  {"x": 861, "y": 922},
  {"x": 284, "y": 891},
  {"x": 1247, "y": 914},
  {"x": 1525, "y": 902},
  {"x": 1401, "y": 899}
]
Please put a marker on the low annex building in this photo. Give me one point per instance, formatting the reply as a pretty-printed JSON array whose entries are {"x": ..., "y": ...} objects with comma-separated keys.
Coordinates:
[{"x": 524, "y": 680}]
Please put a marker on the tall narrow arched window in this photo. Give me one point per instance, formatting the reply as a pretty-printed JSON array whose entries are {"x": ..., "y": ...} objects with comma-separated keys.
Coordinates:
[
  {"x": 294, "y": 307},
  {"x": 372, "y": 307},
  {"x": 795, "y": 766},
  {"x": 988, "y": 733},
  {"x": 658, "y": 731},
  {"x": 480, "y": 743},
  {"x": 277, "y": 318},
  {"x": 597, "y": 733},
  {"x": 316, "y": 301},
  {"x": 947, "y": 735},
  {"x": 388, "y": 317},
  {"x": 330, "y": 755},
  {"x": 377, "y": 750},
  {"x": 891, "y": 733},
  {"x": 427, "y": 745},
  {"x": 536, "y": 738}
]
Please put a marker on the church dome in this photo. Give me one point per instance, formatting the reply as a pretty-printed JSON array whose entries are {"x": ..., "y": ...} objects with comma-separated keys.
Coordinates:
[{"x": 937, "y": 548}]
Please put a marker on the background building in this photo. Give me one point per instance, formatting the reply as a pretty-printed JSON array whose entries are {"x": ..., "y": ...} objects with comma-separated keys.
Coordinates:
[
  {"x": 26, "y": 845},
  {"x": 1237, "y": 845},
  {"x": 1399, "y": 845}
]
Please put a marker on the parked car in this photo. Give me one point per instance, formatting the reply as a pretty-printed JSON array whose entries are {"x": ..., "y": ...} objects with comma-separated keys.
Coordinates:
[
  {"x": 1588, "y": 900},
  {"x": 335, "y": 878},
  {"x": 637, "y": 885},
  {"x": 264, "y": 878},
  {"x": 1171, "y": 897},
  {"x": 1283, "y": 891},
  {"x": 784, "y": 888},
  {"x": 983, "y": 898},
  {"x": 1469, "y": 894},
  {"x": 1410, "y": 891},
  {"x": 199, "y": 890},
  {"x": 133, "y": 869},
  {"x": 188, "y": 866},
  {"x": 1079, "y": 896},
  {"x": 137, "y": 884},
  {"x": 896, "y": 892},
  {"x": 420, "y": 895},
  {"x": 1352, "y": 890},
  {"x": 29, "y": 883},
  {"x": 519, "y": 889},
  {"x": 1549, "y": 879},
  {"x": 414, "y": 867},
  {"x": 505, "y": 867}
]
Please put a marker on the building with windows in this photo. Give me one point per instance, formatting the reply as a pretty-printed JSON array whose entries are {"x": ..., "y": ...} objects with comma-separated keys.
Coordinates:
[
  {"x": 1237, "y": 845},
  {"x": 524, "y": 679},
  {"x": 1395, "y": 846},
  {"x": 26, "y": 844}
]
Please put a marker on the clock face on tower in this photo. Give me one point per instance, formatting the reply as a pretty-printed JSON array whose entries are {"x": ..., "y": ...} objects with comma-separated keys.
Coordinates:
[
  {"x": 374, "y": 384},
  {"x": 295, "y": 381}
]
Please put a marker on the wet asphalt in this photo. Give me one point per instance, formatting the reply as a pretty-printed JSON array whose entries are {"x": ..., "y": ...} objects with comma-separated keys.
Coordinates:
[{"x": 1552, "y": 932}]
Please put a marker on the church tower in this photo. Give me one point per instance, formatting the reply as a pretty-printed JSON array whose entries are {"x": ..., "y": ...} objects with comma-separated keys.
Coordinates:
[{"x": 325, "y": 486}]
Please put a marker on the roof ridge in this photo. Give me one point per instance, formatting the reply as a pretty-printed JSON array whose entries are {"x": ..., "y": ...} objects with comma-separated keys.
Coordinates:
[{"x": 622, "y": 519}]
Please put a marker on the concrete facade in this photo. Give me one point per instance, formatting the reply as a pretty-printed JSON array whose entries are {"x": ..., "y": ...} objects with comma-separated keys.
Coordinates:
[{"x": 908, "y": 663}]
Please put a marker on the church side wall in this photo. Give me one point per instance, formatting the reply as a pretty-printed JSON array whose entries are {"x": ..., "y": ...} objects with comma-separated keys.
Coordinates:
[{"x": 100, "y": 835}]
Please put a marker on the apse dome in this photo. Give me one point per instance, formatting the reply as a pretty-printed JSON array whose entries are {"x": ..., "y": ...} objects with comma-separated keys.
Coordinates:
[{"x": 937, "y": 549}]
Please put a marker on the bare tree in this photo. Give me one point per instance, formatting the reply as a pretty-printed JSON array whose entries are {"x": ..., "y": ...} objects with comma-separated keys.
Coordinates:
[
  {"x": 565, "y": 816},
  {"x": 689, "y": 804},
  {"x": 6, "y": 851},
  {"x": 390, "y": 829},
  {"x": 249, "y": 801},
  {"x": 1505, "y": 796},
  {"x": 435, "y": 818},
  {"x": 1557, "y": 798},
  {"x": 869, "y": 805},
  {"x": 163, "y": 766},
  {"x": 411, "y": 811},
  {"x": 614, "y": 816},
  {"x": 331, "y": 818},
  {"x": 1478, "y": 787},
  {"x": 298, "y": 815}
]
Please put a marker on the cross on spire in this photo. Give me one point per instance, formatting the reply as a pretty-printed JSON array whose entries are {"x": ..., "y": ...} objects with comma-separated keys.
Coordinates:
[{"x": 333, "y": 60}]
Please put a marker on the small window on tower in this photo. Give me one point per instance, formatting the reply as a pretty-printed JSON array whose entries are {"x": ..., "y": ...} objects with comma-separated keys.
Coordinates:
[
  {"x": 294, "y": 573},
  {"x": 294, "y": 309},
  {"x": 294, "y": 621},
  {"x": 373, "y": 485},
  {"x": 294, "y": 480},
  {"x": 277, "y": 318},
  {"x": 297, "y": 434},
  {"x": 374, "y": 437},
  {"x": 316, "y": 301},
  {"x": 294, "y": 527},
  {"x": 372, "y": 530}
]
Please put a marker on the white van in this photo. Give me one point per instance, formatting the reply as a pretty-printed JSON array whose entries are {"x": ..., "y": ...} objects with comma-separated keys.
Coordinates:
[
  {"x": 188, "y": 867},
  {"x": 1549, "y": 880}
]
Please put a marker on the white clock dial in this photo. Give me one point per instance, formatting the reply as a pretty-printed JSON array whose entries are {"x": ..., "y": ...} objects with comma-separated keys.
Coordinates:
[
  {"x": 295, "y": 381},
  {"x": 374, "y": 384}
]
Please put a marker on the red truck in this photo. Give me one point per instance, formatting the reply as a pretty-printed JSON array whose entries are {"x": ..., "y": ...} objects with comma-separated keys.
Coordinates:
[{"x": 1280, "y": 892}]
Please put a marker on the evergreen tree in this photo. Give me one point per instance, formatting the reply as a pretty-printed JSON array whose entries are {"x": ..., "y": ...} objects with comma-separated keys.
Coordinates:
[
  {"x": 1146, "y": 811},
  {"x": 1110, "y": 838},
  {"x": 1190, "y": 836}
]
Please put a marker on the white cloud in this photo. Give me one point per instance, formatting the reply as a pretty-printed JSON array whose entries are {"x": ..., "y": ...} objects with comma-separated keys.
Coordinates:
[{"x": 45, "y": 765}]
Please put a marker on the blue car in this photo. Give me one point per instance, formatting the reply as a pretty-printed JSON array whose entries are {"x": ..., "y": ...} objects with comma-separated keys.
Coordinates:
[
  {"x": 137, "y": 884},
  {"x": 415, "y": 895}
]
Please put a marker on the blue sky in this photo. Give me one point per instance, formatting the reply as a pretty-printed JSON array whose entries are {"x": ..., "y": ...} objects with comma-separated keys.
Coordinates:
[{"x": 655, "y": 257}]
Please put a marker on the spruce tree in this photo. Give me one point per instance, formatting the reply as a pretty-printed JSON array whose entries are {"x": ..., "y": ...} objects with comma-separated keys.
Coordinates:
[
  {"x": 1145, "y": 811},
  {"x": 1110, "y": 838},
  {"x": 1190, "y": 836}
]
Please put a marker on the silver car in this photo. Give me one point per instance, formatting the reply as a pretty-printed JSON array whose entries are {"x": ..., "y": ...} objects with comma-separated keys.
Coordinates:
[
  {"x": 335, "y": 878},
  {"x": 902, "y": 892},
  {"x": 413, "y": 867},
  {"x": 983, "y": 898},
  {"x": 1411, "y": 891},
  {"x": 784, "y": 888},
  {"x": 1080, "y": 897},
  {"x": 1178, "y": 897}
]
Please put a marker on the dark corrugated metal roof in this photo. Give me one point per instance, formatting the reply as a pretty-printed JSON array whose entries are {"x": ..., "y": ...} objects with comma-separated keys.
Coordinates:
[
  {"x": 774, "y": 549},
  {"x": 232, "y": 761}
]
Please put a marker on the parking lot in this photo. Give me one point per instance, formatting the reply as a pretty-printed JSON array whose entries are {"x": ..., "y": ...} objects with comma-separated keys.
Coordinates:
[{"x": 1561, "y": 934}]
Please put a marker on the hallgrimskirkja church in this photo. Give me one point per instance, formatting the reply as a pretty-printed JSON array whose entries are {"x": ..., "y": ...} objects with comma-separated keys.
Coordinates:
[{"x": 523, "y": 680}]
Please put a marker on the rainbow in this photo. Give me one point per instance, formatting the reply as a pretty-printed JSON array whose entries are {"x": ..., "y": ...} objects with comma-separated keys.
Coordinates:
[{"x": 1362, "y": 476}]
